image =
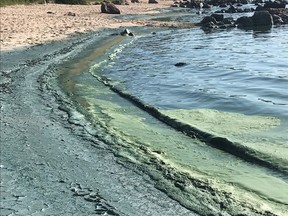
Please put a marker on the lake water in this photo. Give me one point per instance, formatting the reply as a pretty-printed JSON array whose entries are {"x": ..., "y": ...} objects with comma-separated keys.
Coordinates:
[{"x": 233, "y": 85}]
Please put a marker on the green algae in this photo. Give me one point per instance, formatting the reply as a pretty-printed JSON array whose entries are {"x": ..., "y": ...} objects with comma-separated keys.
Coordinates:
[
  {"x": 138, "y": 129},
  {"x": 262, "y": 133},
  {"x": 200, "y": 177}
]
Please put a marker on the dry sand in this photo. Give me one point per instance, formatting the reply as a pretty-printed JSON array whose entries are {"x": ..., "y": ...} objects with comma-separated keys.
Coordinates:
[{"x": 24, "y": 25}]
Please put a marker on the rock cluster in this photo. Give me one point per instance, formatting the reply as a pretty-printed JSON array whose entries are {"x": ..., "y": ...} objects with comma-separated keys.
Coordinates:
[
  {"x": 228, "y": 6},
  {"x": 262, "y": 17}
]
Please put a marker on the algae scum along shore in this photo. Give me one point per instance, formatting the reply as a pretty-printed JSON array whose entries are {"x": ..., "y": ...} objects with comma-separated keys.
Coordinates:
[
  {"x": 206, "y": 160},
  {"x": 104, "y": 124}
]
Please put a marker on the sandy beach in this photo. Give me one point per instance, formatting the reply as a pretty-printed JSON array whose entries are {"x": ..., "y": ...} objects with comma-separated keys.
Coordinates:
[{"x": 24, "y": 25}]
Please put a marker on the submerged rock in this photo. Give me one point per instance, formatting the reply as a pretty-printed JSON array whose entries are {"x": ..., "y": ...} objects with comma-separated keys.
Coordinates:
[
  {"x": 126, "y": 32},
  {"x": 180, "y": 64}
]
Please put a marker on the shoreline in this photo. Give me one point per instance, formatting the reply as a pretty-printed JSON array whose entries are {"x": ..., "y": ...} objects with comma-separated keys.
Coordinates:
[
  {"x": 147, "y": 151},
  {"x": 52, "y": 166},
  {"x": 56, "y": 162},
  {"x": 28, "y": 25}
]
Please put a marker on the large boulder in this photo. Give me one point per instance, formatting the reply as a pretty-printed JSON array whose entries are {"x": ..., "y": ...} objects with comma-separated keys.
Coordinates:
[
  {"x": 262, "y": 18},
  {"x": 110, "y": 8},
  {"x": 244, "y": 22}
]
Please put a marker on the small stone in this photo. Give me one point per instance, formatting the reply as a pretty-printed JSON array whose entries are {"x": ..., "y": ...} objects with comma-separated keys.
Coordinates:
[{"x": 180, "y": 64}]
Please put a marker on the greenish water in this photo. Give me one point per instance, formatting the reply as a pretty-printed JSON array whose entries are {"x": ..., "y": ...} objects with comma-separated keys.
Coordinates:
[{"x": 202, "y": 178}]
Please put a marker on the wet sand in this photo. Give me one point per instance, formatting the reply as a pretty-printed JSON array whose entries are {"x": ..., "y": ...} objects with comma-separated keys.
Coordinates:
[{"x": 50, "y": 166}]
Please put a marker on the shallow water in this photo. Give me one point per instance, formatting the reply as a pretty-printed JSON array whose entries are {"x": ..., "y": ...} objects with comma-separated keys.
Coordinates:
[
  {"x": 233, "y": 86},
  {"x": 230, "y": 71}
]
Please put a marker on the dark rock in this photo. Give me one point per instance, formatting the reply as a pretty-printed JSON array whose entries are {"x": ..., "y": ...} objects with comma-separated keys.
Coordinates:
[
  {"x": 207, "y": 20},
  {"x": 244, "y": 1},
  {"x": 244, "y": 22},
  {"x": 126, "y": 32},
  {"x": 277, "y": 19},
  {"x": 218, "y": 17},
  {"x": 262, "y": 18},
  {"x": 206, "y": 6},
  {"x": 175, "y": 5},
  {"x": 281, "y": 12},
  {"x": 135, "y": 1},
  {"x": 223, "y": 5},
  {"x": 152, "y": 2},
  {"x": 231, "y": 9},
  {"x": 260, "y": 8},
  {"x": 120, "y": 2},
  {"x": 275, "y": 4},
  {"x": 229, "y": 20},
  {"x": 180, "y": 64},
  {"x": 110, "y": 8},
  {"x": 247, "y": 10}
]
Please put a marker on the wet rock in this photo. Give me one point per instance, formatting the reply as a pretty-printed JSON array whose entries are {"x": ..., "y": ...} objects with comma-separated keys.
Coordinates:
[
  {"x": 223, "y": 5},
  {"x": 275, "y": 4},
  {"x": 218, "y": 17},
  {"x": 262, "y": 18},
  {"x": 110, "y": 8},
  {"x": 232, "y": 9},
  {"x": 120, "y": 2},
  {"x": 228, "y": 21},
  {"x": 208, "y": 19},
  {"x": 152, "y": 2},
  {"x": 244, "y": 2},
  {"x": 180, "y": 64},
  {"x": 244, "y": 22},
  {"x": 280, "y": 12},
  {"x": 260, "y": 8},
  {"x": 277, "y": 19},
  {"x": 126, "y": 32}
]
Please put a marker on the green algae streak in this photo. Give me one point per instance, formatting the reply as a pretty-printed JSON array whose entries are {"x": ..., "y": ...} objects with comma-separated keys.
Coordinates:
[
  {"x": 262, "y": 133},
  {"x": 200, "y": 177}
]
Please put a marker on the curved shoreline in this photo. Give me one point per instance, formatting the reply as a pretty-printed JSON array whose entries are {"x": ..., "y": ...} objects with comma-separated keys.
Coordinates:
[
  {"x": 59, "y": 156},
  {"x": 50, "y": 164},
  {"x": 221, "y": 143},
  {"x": 168, "y": 179}
]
